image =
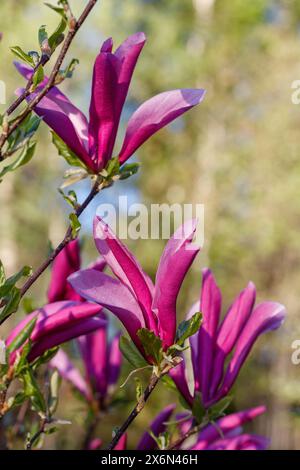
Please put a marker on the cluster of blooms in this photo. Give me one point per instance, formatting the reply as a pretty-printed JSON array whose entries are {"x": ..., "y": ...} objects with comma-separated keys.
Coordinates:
[{"x": 78, "y": 296}]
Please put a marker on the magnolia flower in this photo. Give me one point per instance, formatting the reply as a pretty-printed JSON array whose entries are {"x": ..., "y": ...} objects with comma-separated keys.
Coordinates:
[
  {"x": 227, "y": 433},
  {"x": 93, "y": 142},
  {"x": 216, "y": 341},
  {"x": 132, "y": 297},
  {"x": 102, "y": 361},
  {"x": 57, "y": 323}
]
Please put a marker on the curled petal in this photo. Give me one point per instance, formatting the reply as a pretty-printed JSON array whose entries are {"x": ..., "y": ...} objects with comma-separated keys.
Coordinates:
[
  {"x": 176, "y": 259},
  {"x": 67, "y": 121},
  {"x": 125, "y": 266},
  {"x": 110, "y": 293},
  {"x": 69, "y": 372},
  {"x": 156, "y": 113}
]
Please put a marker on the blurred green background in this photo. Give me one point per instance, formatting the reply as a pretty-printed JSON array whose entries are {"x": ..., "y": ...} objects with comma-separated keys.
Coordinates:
[{"x": 237, "y": 153}]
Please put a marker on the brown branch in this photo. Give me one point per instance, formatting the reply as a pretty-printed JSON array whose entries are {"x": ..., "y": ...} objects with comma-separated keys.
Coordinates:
[
  {"x": 39, "y": 432},
  {"x": 191, "y": 432},
  {"x": 74, "y": 27},
  {"x": 135, "y": 412}
]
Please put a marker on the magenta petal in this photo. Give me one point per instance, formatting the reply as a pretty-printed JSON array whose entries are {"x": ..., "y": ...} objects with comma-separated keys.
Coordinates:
[
  {"x": 93, "y": 350},
  {"x": 63, "y": 117},
  {"x": 266, "y": 316},
  {"x": 175, "y": 261},
  {"x": 227, "y": 424},
  {"x": 66, "y": 263},
  {"x": 210, "y": 306},
  {"x": 230, "y": 329},
  {"x": 79, "y": 328},
  {"x": 157, "y": 427},
  {"x": 126, "y": 268},
  {"x": 69, "y": 372},
  {"x": 242, "y": 442},
  {"x": 102, "y": 125},
  {"x": 110, "y": 293},
  {"x": 156, "y": 113},
  {"x": 122, "y": 444},
  {"x": 178, "y": 375}
]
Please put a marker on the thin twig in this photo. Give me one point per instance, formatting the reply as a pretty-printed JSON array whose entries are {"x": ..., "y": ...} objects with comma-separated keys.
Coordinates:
[
  {"x": 191, "y": 432},
  {"x": 135, "y": 412},
  {"x": 39, "y": 432},
  {"x": 51, "y": 81}
]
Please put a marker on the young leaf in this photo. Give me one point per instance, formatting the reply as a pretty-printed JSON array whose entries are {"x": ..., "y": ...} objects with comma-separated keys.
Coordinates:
[
  {"x": 151, "y": 344},
  {"x": 55, "y": 382},
  {"x": 20, "y": 54},
  {"x": 75, "y": 224},
  {"x": 57, "y": 37},
  {"x": 23, "y": 336},
  {"x": 218, "y": 410},
  {"x": 138, "y": 389},
  {"x": 42, "y": 35},
  {"x": 21, "y": 363},
  {"x": 38, "y": 76},
  {"x": 46, "y": 357},
  {"x": 70, "y": 198},
  {"x": 11, "y": 281},
  {"x": 11, "y": 305},
  {"x": 24, "y": 157},
  {"x": 65, "y": 152},
  {"x": 128, "y": 170},
  {"x": 130, "y": 352},
  {"x": 188, "y": 328},
  {"x": 32, "y": 391}
]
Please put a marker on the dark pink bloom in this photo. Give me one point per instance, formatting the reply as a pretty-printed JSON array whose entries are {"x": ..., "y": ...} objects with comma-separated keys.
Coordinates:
[
  {"x": 228, "y": 434},
  {"x": 216, "y": 341},
  {"x": 57, "y": 323},
  {"x": 93, "y": 142},
  {"x": 66, "y": 263},
  {"x": 132, "y": 297}
]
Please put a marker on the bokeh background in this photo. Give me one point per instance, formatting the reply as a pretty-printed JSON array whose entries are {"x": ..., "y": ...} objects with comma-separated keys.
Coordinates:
[{"x": 237, "y": 153}]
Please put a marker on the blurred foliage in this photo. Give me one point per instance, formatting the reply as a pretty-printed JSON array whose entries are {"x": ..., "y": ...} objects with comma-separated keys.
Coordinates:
[{"x": 237, "y": 153}]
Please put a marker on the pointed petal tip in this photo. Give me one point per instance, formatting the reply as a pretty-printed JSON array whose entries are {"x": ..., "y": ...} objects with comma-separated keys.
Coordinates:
[{"x": 107, "y": 45}]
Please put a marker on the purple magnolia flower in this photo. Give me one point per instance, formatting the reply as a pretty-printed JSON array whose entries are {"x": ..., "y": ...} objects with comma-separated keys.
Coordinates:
[
  {"x": 93, "y": 142},
  {"x": 228, "y": 433},
  {"x": 216, "y": 341},
  {"x": 57, "y": 323},
  {"x": 102, "y": 361},
  {"x": 132, "y": 297}
]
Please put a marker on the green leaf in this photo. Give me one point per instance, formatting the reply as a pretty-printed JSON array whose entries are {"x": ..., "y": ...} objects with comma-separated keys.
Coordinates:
[
  {"x": 58, "y": 10},
  {"x": 55, "y": 382},
  {"x": 43, "y": 36},
  {"x": 46, "y": 357},
  {"x": 197, "y": 409},
  {"x": 216, "y": 411},
  {"x": 128, "y": 170},
  {"x": 75, "y": 224},
  {"x": 169, "y": 382},
  {"x": 113, "y": 167},
  {"x": 38, "y": 76},
  {"x": 151, "y": 344},
  {"x": 20, "y": 54},
  {"x": 70, "y": 198},
  {"x": 21, "y": 363},
  {"x": 11, "y": 305},
  {"x": 57, "y": 37},
  {"x": 131, "y": 353},
  {"x": 11, "y": 281},
  {"x": 23, "y": 336},
  {"x": 188, "y": 328},
  {"x": 24, "y": 157},
  {"x": 35, "y": 56},
  {"x": 64, "y": 151},
  {"x": 32, "y": 391},
  {"x": 17, "y": 400}
]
